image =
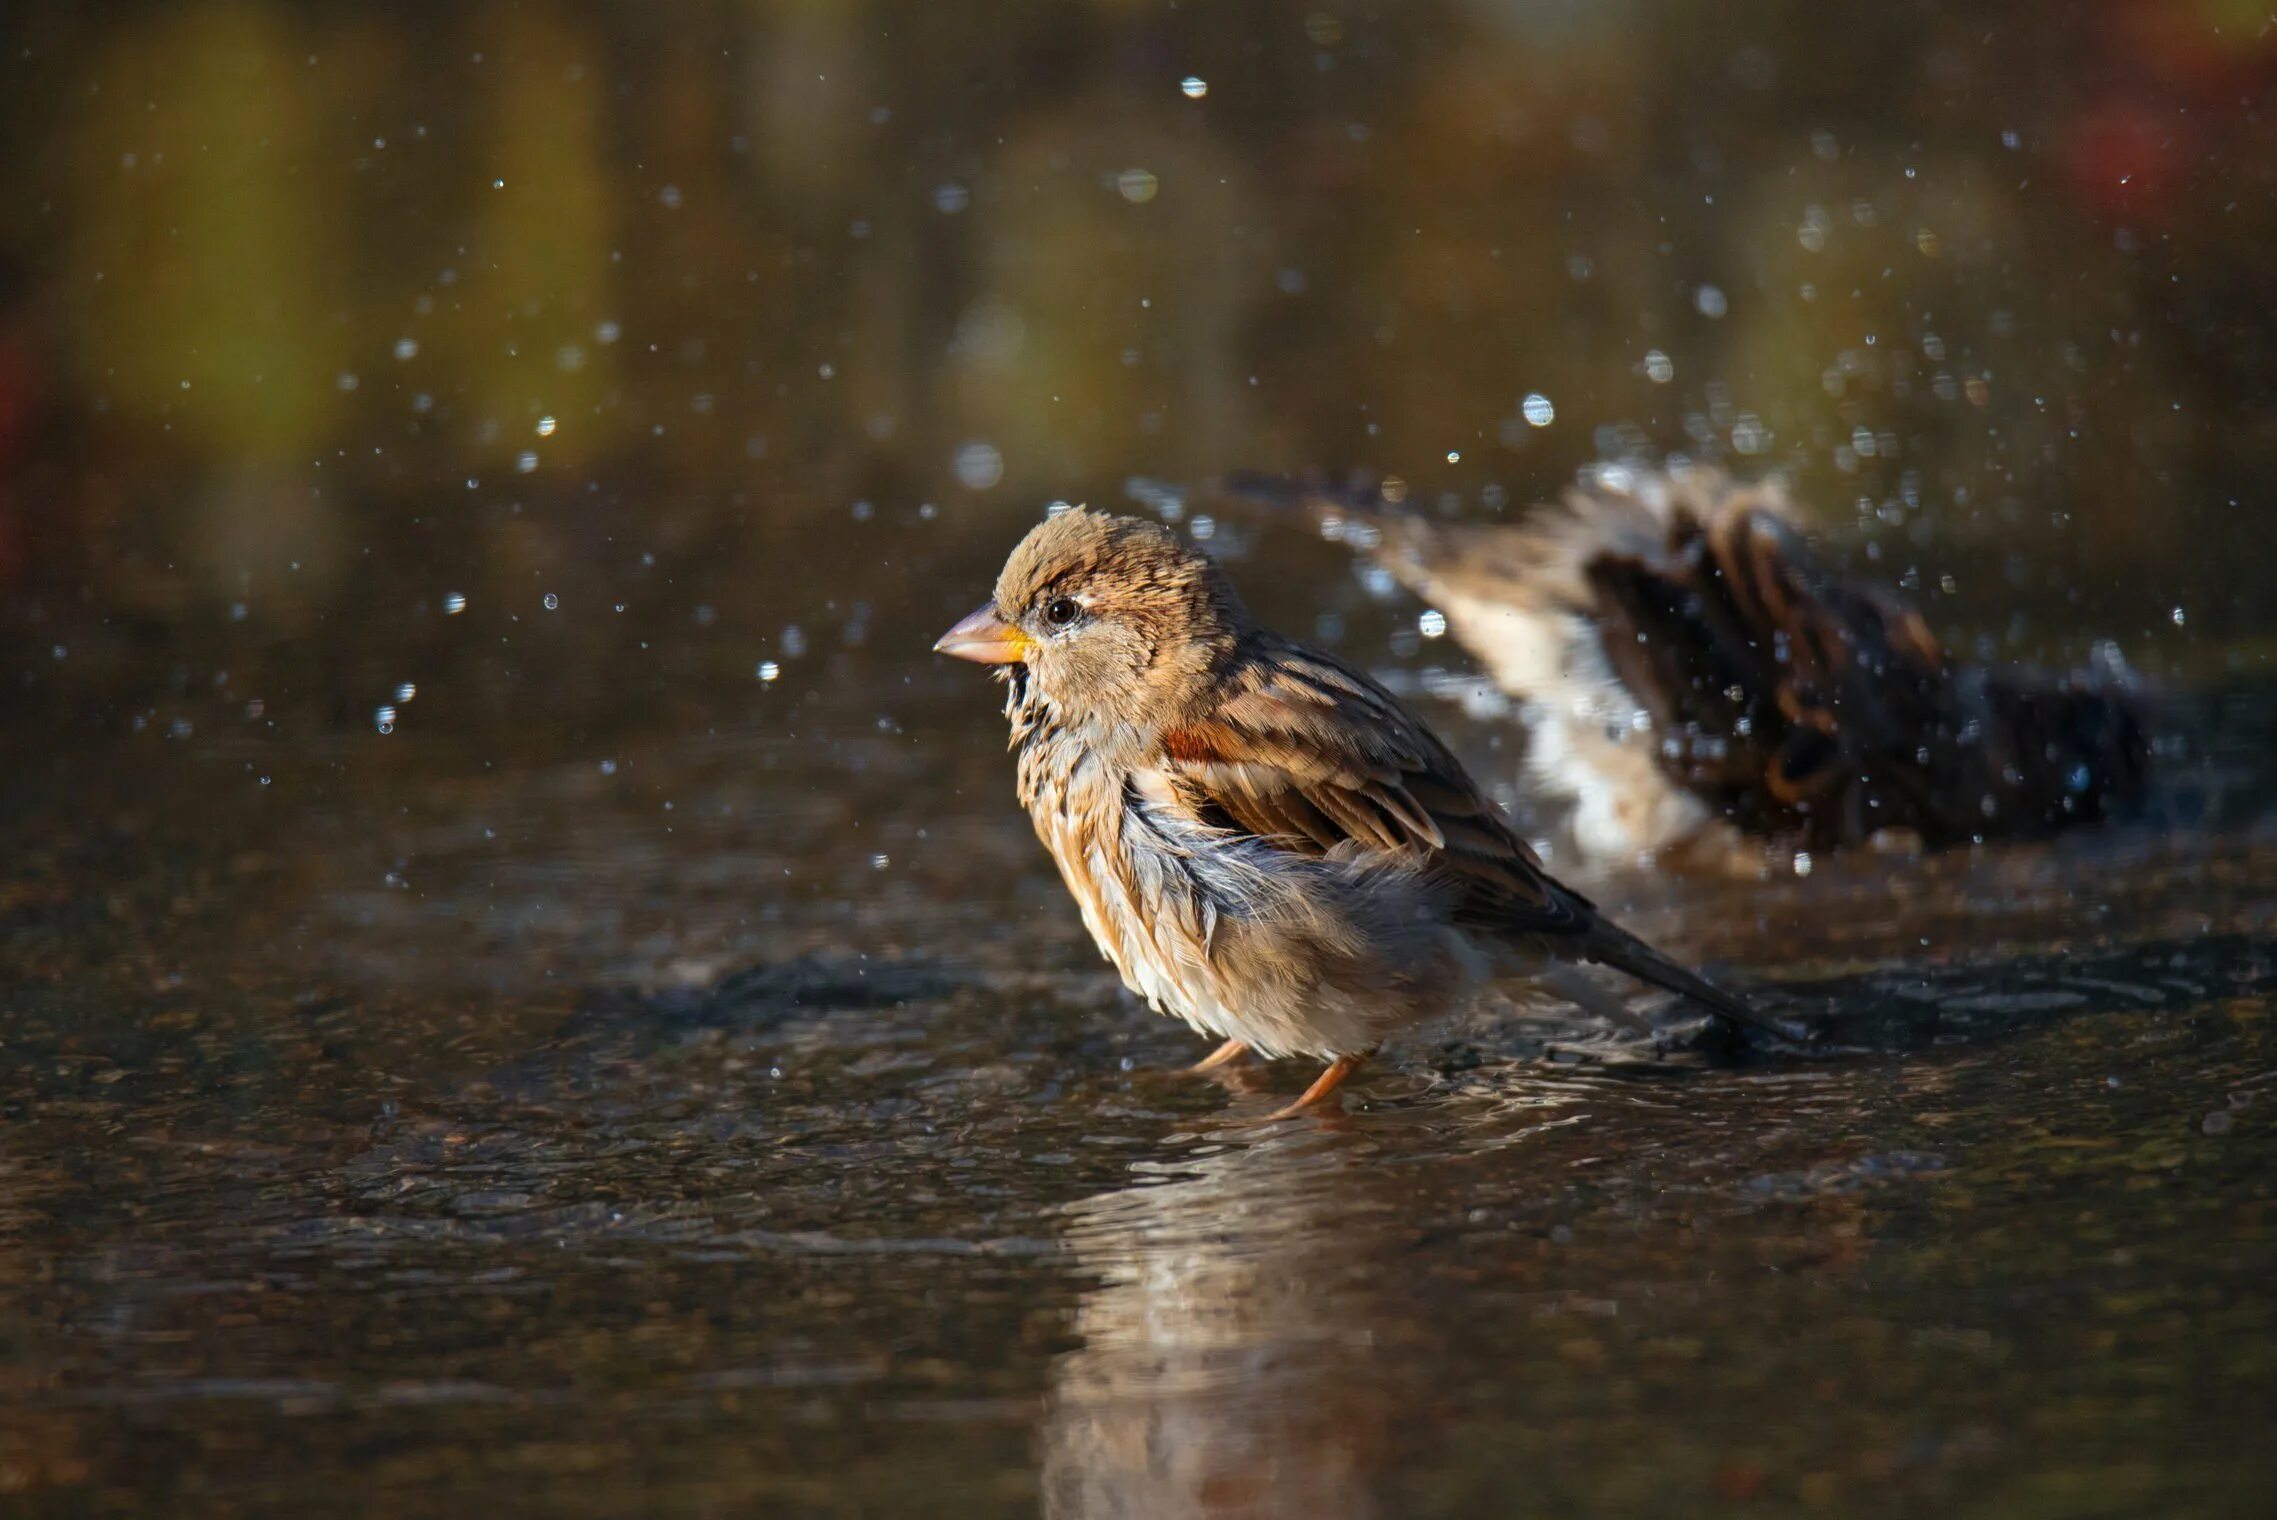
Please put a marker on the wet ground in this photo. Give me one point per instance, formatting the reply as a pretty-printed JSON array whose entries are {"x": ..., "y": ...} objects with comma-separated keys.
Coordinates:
[{"x": 727, "y": 1116}]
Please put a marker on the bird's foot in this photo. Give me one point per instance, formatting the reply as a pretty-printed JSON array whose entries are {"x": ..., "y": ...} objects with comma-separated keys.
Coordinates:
[
  {"x": 1322, "y": 1093},
  {"x": 1224, "y": 1055}
]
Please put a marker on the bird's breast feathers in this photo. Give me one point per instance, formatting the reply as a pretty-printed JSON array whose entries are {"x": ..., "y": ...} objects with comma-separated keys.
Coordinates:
[{"x": 1291, "y": 952}]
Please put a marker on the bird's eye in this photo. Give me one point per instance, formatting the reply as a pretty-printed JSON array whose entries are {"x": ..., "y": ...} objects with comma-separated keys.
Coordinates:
[{"x": 1061, "y": 611}]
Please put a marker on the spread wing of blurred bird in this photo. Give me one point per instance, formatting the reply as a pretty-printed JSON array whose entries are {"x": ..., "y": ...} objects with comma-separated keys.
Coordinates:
[{"x": 1688, "y": 671}]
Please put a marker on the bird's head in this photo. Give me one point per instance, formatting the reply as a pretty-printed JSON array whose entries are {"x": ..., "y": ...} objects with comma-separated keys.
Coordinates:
[{"x": 1111, "y": 618}]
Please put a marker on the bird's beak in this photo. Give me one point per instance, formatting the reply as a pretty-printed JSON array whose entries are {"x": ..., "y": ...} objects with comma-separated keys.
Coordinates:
[{"x": 985, "y": 639}]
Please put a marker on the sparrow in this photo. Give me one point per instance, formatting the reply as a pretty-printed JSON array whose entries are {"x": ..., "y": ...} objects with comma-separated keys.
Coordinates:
[
  {"x": 1261, "y": 838},
  {"x": 1691, "y": 678}
]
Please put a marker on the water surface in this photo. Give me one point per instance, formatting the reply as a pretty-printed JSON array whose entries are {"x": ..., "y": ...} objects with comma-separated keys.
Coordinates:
[{"x": 472, "y": 1133}]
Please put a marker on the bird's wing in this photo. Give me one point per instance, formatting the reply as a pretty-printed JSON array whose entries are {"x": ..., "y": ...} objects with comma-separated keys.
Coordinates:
[
  {"x": 1310, "y": 755},
  {"x": 1821, "y": 690}
]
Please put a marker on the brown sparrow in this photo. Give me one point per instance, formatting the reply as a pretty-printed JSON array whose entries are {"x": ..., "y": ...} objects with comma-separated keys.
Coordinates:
[
  {"x": 1689, "y": 675},
  {"x": 1260, "y": 837}
]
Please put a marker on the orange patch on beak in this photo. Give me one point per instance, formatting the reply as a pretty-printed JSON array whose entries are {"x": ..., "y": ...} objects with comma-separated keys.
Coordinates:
[{"x": 985, "y": 639}]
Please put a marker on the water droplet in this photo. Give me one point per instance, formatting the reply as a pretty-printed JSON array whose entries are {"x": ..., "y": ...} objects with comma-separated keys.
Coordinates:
[
  {"x": 608, "y": 767},
  {"x": 2179, "y": 616},
  {"x": 769, "y": 670},
  {"x": 1138, "y": 186},
  {"x": 546, "y": 426},
  {"x": 346, "y": 380},
  {"x": 1194, "y": 87},
  {"x": 553, "y": 602},
  {"x": 407, "y": 348},
  {"x": 526, "y": 461},
  {"x": 1454, "y": 456},
  {"x": 1802, "y": 863},
  {"x": 1537, "y": 410},
  {"x": 1710, "y": 303},
  {"x": 979, "y": 466},
  {"x": 453, "y": 605},
  {"x": 406, "y": 691},
  {"x": 794, "y": 641},
  {"x": 880, "y": 861},
  {"x": 607, "y": 332},
  {"x": 1658, "y": 367},
  {"x": 384, "y": 720},
  {"x": 951, "y": 198},
  {"x": 1432, "y": 625},
  {"x": 670, "y": 197}
]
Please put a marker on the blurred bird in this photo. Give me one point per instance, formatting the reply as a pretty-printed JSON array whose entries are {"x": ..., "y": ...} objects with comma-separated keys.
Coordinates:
[
  {"x": 1260, "y": 837},
  {"x": 1690, "y": 676}
]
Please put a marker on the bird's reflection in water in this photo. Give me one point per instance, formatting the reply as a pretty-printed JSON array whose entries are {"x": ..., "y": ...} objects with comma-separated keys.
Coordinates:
[{"x": 1226, "y": 1359}]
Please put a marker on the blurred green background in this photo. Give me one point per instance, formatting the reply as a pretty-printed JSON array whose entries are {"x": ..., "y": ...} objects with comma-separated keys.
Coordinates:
[{"x": 313, "y": 315}]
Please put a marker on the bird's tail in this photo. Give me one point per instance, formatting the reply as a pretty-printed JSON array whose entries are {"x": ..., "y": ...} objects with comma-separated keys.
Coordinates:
[{"x": 1610, "y": 945}]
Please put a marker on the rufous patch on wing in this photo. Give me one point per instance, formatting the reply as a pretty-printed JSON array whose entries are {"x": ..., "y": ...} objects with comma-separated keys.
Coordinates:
[{"x": 1195, "y": 746}]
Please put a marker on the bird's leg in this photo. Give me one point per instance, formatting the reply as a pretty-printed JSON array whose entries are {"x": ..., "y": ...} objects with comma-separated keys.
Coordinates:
[
  {"x": 1226, "y": 1054},
  {"x": 1325, "y": 1085}
]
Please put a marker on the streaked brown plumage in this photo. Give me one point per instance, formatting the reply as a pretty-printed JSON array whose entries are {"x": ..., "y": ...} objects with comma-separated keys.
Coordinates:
[
  {"x": 1260, "y": 837},
  {"x": 1689, "y": 671}
]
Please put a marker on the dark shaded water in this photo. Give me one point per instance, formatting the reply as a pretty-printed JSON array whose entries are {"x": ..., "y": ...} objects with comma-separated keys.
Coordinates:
[{"x": 409, "y": 1154}]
